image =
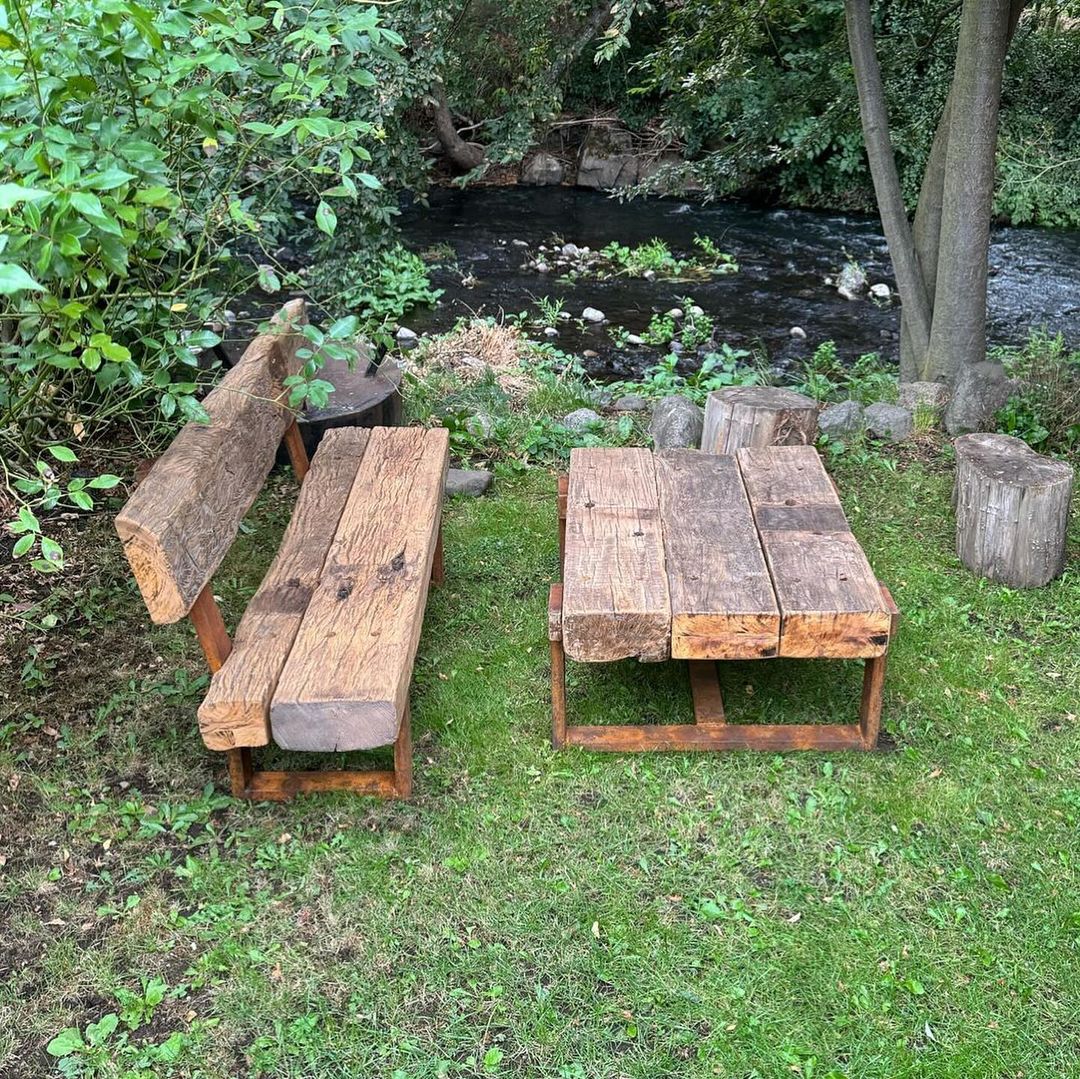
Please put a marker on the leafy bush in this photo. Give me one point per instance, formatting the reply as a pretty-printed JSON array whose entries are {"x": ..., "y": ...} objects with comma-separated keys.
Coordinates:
[
  {"x": 152, "y": 156},
  {"x": 380, "y": 286},
  {"x": 866, "y": 380},
  {"x": 1046, "y": 411},
  {"x": 727, "y": 367}
]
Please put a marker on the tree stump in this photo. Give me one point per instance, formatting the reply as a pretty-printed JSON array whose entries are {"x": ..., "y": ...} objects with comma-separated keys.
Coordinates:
[
  {"x": 743, "y": 417},
  {"x": 1012, "y": 510}
]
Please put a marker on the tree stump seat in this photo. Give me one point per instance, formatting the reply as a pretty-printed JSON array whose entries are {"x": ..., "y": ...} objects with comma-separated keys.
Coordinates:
[
  {"x": 688, "y": 555},
  {"x": 322, "y": 657},
  {"x": 751, "y": 417},
  {"x": 1012, "y": 510}
]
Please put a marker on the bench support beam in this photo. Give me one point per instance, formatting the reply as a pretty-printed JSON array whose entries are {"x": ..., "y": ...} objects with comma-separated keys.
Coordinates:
[{"x": 710, "y": 729}]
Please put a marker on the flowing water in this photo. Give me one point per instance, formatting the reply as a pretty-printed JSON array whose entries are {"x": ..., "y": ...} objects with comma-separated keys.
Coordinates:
[{"x": 784, "y": 258}]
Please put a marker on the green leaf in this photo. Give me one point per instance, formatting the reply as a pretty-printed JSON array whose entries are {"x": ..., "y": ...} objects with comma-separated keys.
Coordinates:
[
  {"x": 105, "y": 482},
  {"x": 54, "y": 553},
  {"x": 65, "y": 1043},
  {"x": 326, "y": 219},
  {"x": 81, "y": 499},
  {"x": 260, "y": 128},
  {"x": 368, "y": 180},
  {"x": 268, "y": 280},
  {"x": 99, "y": 1032},
  {"x": 22, "y": 545},
  {"x": 15, "y": 279},
  {"x": 109, "y": 179},
  {"x": 12, "y": 194},
  {"x": 63, "y": 453}
]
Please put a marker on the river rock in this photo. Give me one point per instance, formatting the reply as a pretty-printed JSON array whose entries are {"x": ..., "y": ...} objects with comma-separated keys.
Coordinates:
[
  {"x": 571, "y": 251},
  {"x": 979, "y": 391},
  {"x": 480, "y": 425},
  {"x": 631, "y": 402},
  {"x": 407, "y": 338},
  {"x": 580, "y": 420},
  {"x": 890, "y": 423},
  {"x": 676, "y": 423},
  {"x": 467, "y": 481},
  {"x": 542, "y": 170},
  {"x": 881, "y": 291},
  {"x": 675, "y": 313},
  {"x": 634, "y": 339},
  {"x": 592, "y": 314},
  {"x": 930, "y": 397},
  {"x": 607, "y": 159},
  {"x": 843, "y": 420},
  {"x": 550, "y": 331},
  {"x": 797, "y": 332},
  {"x": 851, "y": 281}
]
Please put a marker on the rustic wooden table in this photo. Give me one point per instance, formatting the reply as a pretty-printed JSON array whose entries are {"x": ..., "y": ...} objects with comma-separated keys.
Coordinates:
[{"x": 687, "y": 555}]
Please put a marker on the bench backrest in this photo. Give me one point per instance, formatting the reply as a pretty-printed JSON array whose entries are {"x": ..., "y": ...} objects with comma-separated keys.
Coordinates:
[{"x": 182, "y": 519}]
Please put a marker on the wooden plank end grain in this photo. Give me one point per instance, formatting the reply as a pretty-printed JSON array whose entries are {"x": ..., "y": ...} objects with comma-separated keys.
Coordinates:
[
  {"x": 615, "y": 590},
  {"x": 345, "y": 684},
  {"x": 236, "y": 709},
  {"x": 722, "y": 600}
]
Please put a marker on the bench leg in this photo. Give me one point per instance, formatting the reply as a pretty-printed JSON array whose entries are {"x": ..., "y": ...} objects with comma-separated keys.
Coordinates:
[
  {"x": 438, "y": 568},
  {"x": 256, "y": 786}
]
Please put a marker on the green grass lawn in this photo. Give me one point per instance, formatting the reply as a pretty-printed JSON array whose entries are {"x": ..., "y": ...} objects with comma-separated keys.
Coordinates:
[{"x": 912, "y": 912}]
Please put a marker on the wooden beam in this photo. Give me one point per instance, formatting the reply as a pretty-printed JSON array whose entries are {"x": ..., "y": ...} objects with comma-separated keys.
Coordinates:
[
  {"x": 181, "y": 520},
  {"x": 236, "y": 709},
  {"x": 722, "y": 601},
  {"x": 830, "y": 603},
  {"x": 345, "y": 684},
  {"x": 615, "y": 590}
]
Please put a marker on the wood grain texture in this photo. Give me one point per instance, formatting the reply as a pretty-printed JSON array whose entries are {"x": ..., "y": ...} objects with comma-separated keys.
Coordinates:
[
  {"x": 722, "y": 601},
  {"x": 830, "y": 601},
  {"x": 757, "y": 416},
  {"x": 1012, "y": 510},
  {"x": 705, "y": 737},
  {"x": 345, "y": 684},
  {"x": 615, "y": 591},
  {"x": 181, "y": 520},
  {"x": 236, "y": 709}
]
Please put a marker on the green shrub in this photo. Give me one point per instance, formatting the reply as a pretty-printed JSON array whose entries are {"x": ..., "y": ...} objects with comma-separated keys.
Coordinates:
[
  {"x": 1046, "y": 411},
  {"x": 152, "y": 156}
]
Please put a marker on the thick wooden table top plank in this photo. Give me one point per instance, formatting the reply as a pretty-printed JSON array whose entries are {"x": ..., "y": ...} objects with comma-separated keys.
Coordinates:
[
  {"x": 236, "y": 709},
  {"x": 345, "y": 684},
  {"x": 615, "y": 598},
  {"x": 831, "y": 603},
  {"x": 722, "y": 600}
]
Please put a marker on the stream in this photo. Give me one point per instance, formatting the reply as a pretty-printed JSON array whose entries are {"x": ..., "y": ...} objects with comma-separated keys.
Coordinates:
[{"x": 784, "y": 258}]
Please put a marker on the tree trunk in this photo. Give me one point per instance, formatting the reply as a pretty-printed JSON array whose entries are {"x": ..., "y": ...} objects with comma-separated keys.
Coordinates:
[
  {"x": 465, "y": 156},
  {"x": 879, "y": 151},
  {"x": 927, "y": 228}
]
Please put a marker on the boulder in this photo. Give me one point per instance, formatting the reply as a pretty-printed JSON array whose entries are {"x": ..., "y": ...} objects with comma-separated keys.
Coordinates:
[
  {"x": 890, "y": 423},
  {"x": 607, "y": 159},
  {"x": 467, "y": 481},
  {"x": 851, "y": 281},
  {"x": 580, "y": 420},
  {"x": 630, "y": 402},
  {"x": 931, "y": 397},
  {"x": 843, "y": 420},
  {"x": 407, "y": 338},
  {"x": 542, "y": 170},
  {"x": 979, "y": 391},
  {"x": 676, "y": 423},
  {"x": 593, "y": 314}
]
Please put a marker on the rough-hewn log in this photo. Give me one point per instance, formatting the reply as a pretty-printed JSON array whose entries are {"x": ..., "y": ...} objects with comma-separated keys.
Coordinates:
[
  {"x": 1012, "y": 510},
  {"x": 752, "y": 417},
  {"x": 182, "y": 519}
]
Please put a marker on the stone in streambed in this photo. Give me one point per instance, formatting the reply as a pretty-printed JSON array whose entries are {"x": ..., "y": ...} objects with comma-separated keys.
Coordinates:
[
  {"x": 593, "y": 314},
  {"x": 630, "y": 402}
]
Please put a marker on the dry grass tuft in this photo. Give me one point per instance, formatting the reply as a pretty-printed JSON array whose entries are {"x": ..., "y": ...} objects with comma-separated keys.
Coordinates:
[{"x": 472, "y": 349}]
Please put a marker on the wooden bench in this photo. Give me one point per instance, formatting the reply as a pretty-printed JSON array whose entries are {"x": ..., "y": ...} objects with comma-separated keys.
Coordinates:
[
  {"x": 688, "y": 555},
  {"x": 323, "y": 655}
]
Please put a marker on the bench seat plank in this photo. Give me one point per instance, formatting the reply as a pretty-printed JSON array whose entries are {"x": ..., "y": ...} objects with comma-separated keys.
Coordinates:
[
  {"x": 831, "y": 604},
  {"x": 345, "y": 684},
  {"x": 616, "y": 603},
  {"x": 722, "y": 600},
  {"x": 236, "y": 709}
]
